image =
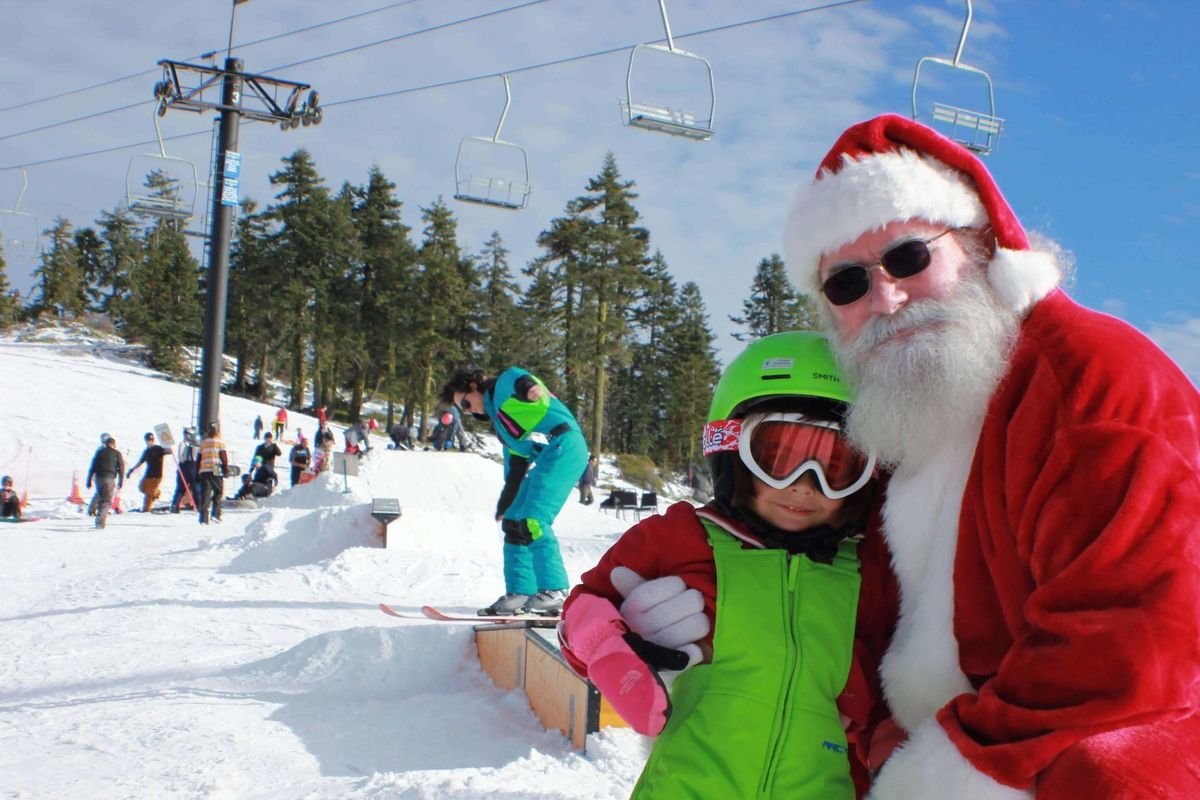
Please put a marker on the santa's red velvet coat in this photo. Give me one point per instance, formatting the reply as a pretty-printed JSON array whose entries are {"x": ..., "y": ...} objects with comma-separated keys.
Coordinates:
[{"x": 1048, "y": 570}]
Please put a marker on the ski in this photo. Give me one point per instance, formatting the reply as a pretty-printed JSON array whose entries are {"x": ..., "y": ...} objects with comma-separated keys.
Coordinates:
[{"x": 429, "y": 612}]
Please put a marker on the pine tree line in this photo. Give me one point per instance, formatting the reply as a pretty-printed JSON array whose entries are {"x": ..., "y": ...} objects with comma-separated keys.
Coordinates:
[{"x": 336, "y": 296}]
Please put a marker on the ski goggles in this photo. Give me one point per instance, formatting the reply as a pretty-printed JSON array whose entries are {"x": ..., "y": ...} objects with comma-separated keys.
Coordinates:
[
  {"x": 779, "y": 447},
  {"x": 852, "y": 282}
]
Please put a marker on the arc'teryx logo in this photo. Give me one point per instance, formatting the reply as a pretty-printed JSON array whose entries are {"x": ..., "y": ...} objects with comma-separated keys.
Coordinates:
[{"x": 834, "y": 746}]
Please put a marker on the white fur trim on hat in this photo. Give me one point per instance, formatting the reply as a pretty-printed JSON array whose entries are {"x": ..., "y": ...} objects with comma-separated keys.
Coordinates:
[
  {"x": 868, "y": 193},
  {"x": 928, "y": 765},
  {"x": 1020, "y": 278}
]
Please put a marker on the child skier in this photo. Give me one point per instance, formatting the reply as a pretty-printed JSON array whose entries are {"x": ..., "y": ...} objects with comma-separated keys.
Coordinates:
[{"x": 757, "y": 592}]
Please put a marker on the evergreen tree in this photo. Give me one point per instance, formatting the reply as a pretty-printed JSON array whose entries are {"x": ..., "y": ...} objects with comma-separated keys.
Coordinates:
[
  {"x": 381, "y": 285},
  {"x": 692, "y": 379},
  {"x": 614, "y": 254},
  {"x": 61, "y": 287},
  {"x": 637, "y": 410},
  {"x": 501, "y": 330},
  {"x": 252, "y": 317},
  {"x": 774, "y": 304},
  {"x": 563, "y": 327},
  {"x": 164, "y": 308},
  {"x": 10, "y": 300},
  {"x": 91, "y": 255},
  {"x": 120, "y": 252},
  {"x": 441, "y": 294},
  {"x": 314, "y": 240},
  {"x": 537, "y": 348}
]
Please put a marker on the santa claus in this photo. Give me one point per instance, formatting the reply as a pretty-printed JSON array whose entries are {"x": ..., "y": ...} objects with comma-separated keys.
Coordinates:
[{"x": 1040, "y": 635}]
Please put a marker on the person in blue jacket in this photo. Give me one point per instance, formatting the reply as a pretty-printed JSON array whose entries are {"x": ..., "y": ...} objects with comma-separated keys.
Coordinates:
[{"x": 544, "y": 454}]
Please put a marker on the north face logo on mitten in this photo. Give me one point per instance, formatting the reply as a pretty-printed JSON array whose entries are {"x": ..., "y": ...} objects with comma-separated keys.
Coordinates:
[{"x": 629, "y": 679}]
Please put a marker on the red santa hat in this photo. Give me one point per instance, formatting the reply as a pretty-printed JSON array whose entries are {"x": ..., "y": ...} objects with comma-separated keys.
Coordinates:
[{"x": 891, "y": 168}]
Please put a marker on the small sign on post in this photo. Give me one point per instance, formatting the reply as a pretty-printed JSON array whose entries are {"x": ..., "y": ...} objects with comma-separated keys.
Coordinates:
[
  {"x": 347, "y": 464},
  {"x": 163, "y": 432}
]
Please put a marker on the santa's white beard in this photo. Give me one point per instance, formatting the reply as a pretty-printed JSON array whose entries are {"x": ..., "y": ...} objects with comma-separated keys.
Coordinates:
[{"x": 914, "y": 391}]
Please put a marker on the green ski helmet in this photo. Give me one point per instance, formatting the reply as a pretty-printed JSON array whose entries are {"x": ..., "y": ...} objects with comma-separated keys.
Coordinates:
[
  {"x": 791, "y": 364},
  {"x": 794, "y": 364}
]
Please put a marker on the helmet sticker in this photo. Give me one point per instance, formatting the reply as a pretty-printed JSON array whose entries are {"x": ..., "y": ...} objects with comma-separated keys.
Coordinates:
[
  {"x": 722, "y": 436},
  {"x": 779, "y": 363}
]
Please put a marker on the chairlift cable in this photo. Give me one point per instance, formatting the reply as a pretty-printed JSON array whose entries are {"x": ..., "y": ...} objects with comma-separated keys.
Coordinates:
[
  {"x": 441, "y": 26},
  {"x": 243, "y": 45},
  {"x": 398, "y": 37},
  {"x": 594, "y": 54},
  {"x": 458, "y": 81}
]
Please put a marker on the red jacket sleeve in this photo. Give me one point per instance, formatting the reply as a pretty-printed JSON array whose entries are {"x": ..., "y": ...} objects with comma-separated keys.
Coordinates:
[{"x": 671, "y": 544}]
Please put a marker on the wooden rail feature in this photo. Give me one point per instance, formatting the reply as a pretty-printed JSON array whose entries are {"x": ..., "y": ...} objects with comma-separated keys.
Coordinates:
[{"x": 526, "y": 656}]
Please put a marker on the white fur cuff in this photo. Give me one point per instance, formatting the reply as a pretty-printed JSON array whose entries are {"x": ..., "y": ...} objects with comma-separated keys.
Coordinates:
[{"x": 930, "y": 766}]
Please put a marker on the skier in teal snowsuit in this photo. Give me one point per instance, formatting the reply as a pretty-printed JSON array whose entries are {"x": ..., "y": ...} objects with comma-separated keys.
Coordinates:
[{"x": 544, "y": 454}]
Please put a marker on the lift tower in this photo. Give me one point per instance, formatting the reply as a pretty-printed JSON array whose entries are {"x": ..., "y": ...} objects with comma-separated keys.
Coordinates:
[{"x": 254, "y": 97}]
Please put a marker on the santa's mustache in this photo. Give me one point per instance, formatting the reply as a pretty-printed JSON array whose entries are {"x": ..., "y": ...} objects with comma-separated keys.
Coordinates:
[{"x": 917, "y": 316}]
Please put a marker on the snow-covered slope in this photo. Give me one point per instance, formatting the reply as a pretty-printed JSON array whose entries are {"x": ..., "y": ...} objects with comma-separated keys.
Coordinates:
[{"x": 159, "y": 658}]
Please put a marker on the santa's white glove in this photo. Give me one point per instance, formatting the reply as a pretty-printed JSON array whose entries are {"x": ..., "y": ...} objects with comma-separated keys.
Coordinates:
[{"x": 663, "y": 611}]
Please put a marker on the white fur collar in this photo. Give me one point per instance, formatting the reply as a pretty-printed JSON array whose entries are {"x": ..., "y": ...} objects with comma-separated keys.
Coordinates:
[{"x": 921, "y": 670}]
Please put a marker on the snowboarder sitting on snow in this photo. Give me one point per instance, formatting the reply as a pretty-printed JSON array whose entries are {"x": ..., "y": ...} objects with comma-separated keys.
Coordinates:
[
  {"x": 544, "y": 454},
  {"x": 261, "y": 473},
  {"x": 152, "y": 457},
  {"x": 756, "y": 592},
  {"x": 400, "y": 436},
  {"x": 10, "y": 504},
  {"x": 252, "y": 490}
]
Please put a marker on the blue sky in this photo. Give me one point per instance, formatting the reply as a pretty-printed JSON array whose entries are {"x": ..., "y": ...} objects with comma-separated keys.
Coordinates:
[{"x": 1100, "y": 152}]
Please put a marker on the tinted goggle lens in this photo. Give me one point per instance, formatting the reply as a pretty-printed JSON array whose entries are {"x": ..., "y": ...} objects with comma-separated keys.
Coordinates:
[
  {"x": 780, "y": 448},
  {"x": 852, "y": 283}
]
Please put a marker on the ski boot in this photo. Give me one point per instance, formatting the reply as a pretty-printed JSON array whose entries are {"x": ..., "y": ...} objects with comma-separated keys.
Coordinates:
[
  {"x": 546, "y": 603},
  {"x": 506, "y": 605}
]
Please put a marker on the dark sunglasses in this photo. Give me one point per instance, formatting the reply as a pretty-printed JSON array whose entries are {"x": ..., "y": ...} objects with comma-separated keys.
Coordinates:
[
  {"x": 464, "y": 404},
  {"x": 852, "y": 282}
]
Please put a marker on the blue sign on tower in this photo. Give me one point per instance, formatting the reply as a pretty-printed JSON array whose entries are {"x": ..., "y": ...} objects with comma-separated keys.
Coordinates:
[{"x": 232, "y": 173}]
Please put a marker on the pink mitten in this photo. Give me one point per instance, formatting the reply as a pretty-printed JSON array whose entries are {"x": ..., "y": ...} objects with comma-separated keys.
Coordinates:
[{"x": 598, "y": 637}]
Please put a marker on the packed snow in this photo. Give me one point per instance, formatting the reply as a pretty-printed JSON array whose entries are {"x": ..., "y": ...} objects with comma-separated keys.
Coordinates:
[{"x": 159, "y": 658}]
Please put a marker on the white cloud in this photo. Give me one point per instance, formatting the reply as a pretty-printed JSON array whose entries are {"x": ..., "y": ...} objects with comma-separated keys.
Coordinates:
[
  {"x": 1181, "y": 341},
  {"x": 1114, "y": 306}
]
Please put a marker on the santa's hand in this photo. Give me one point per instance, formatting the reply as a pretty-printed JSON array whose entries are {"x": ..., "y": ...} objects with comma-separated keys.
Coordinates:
[
  {"x": 663, "y": 611},
  {"x": 619, "y": 662}
]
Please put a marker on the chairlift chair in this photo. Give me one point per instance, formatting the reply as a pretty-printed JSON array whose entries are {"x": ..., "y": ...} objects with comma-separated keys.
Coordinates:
[
  {"x": 975, "y": 130},
  {"x": 21, "y": 231},
  {"x": 144, "y": 204},
  {"x": 491, "y": 171},
  {"x": 655, "y": 116}
]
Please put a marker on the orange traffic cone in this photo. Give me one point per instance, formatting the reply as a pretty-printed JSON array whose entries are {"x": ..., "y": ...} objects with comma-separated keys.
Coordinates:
[{"x": 75, "y": 497}]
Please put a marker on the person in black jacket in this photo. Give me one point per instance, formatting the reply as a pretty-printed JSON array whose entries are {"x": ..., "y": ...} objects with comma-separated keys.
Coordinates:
[
  {"x": 252, "y": 490},
  {"x": 108, "y": 470},
  {"x": 152, "y": 457},
  {"x": 268, "y": 451},
  {"x": 299, "y": 458}
]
